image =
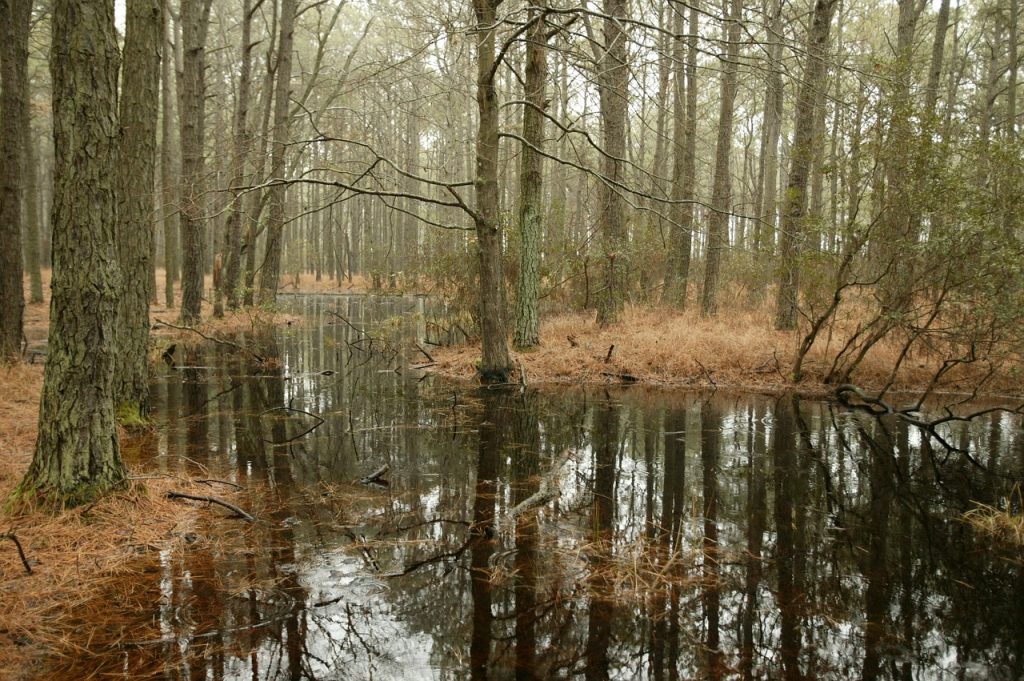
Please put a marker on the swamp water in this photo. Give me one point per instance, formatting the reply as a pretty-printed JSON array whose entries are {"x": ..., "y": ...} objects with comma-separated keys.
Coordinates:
[{"x": 693, "y": 536}]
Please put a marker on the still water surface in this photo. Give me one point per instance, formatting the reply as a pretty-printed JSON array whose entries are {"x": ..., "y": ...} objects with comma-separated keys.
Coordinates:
[{"x": 693, "y": 536}]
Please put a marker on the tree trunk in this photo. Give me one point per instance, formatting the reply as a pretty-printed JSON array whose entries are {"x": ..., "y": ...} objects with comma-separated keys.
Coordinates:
[
  {"x": 31, "y": 203},
  {"x": 531, "y": 185},
  {"x": 77, "y": 456},
  {"x": 135, "y": 182},
  {"x": 684, "y": 153},
  {"x": 613, "y": 91},
  {"x": 721, "y": 196},
  {"x": 495, "y": 364},
  {"x": 195, "y": 19},
  {"x": 169, "y": 180},
  {"x": 795, "y": 207},
  {"x": 271, "y": 271},
  {"x": 14, "y": 29},
  {"x": 239, "y": 163}
]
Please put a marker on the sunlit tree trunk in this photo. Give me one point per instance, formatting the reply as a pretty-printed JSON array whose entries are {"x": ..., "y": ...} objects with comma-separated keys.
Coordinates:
[
  {"x": 77, "y": 456},
  {"x": 795, "y": 202},
  {"x": 721, "y": 195},
  {"x": 495, "y": 364},
  {"x": 271, "y": 271},
  {"x": 531, "y": 187},
  {"x": 14, "y": 30},
  {"x": 135, "y": 184}
]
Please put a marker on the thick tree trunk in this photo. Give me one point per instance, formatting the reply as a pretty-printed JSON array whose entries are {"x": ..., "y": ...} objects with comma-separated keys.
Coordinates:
[
  {"x": 77, "y": 456},
  {"x": 495, "y": 364},
  {"x": 613, "y": 91},
  {"x": 271, "y": 271},
  {"x": 135, "y": 183},
  {"x": 14, "y": 30},
  {"x": 531, "y": 185},
  {"x": 195, "y": 19},
  {"x": 721, "y": 195},
  {"x": 795, "y": 206}
]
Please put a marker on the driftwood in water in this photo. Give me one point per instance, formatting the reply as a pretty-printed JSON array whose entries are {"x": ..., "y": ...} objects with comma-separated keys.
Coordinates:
[
  {"x": 377, "y": 477},
  {"x": 546, "y": 491},
  {"x": 213, "y": 500}
]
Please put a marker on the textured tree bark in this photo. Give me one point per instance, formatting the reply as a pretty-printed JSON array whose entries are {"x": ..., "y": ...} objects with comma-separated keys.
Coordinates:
[
  {"x": 135, "y": 184},
  {"x": 14, "y": 29},
  {"x": 531, "y": 185},
  {"x": 77, "y": 457},
  {"x": 721, "y": 194},
  {"x": 271, "y": 271},
  {"x": 195, "y": 19},
  {"x": 495, "y": 364},
  {"x": 613, "y": 92},
  {"x": 795, "y": 202}
]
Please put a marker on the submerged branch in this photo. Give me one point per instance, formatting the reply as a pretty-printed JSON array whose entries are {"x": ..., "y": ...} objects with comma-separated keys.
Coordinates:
[
  {"x": 213, "y": 500},
  {"x": 214, "y": 339}
]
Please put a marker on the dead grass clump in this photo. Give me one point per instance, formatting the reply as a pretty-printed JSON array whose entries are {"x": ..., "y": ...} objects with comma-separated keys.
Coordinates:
[{"x": 1004, "y": 526}]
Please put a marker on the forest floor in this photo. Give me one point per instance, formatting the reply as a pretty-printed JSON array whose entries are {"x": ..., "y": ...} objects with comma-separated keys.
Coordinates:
[{"x": 741, "y": 350}]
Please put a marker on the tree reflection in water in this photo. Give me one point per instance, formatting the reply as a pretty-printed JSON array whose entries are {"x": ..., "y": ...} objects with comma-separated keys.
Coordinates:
[{"x": 695, "y": 536}]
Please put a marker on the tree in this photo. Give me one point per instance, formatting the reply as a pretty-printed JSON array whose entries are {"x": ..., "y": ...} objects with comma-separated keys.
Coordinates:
[
  {"x": 613, "y": 91},
  {"x": 795, "y": 202},
  {"x": 531, "y": 184},
  {"x": 77, "y": 456},
  {"x": 721, "y": 197},
  {"x": 495, "y": 364},
  {"x": 14, "y": 17},
  {"x": 239, "y": 160},
  {"x": 271, "y": 271},
  {"x": 144, "y": 23},
  {"x": 169, "y": 180},
  {"x": 195, "y": 20}
]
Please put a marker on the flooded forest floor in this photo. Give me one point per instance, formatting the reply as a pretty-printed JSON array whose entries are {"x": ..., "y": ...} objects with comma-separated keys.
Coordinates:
[{"x": 141, "y": 585}]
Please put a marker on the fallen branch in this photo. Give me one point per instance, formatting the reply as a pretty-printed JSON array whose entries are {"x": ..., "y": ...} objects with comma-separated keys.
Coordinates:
[
  {"x": 425, "y": 353},
  {"x": 320, "y": 422},
  {"x": 21, "y": 551},
  {"x": 374, "y": 478},
  {"x": 213, "y": 500},
  {"x": 546, "y": 491},
  {"x": 213, "y": 339}
]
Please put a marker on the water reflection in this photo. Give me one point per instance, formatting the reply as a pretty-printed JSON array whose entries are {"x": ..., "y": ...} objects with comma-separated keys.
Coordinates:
[{"x": 694, "y": 536}]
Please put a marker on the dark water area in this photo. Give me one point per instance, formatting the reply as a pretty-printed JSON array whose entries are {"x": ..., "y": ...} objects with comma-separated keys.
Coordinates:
[{"x": 692, "y": 536}]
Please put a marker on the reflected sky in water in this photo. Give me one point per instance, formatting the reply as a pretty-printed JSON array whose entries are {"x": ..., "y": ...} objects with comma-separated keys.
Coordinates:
[{"x": 693, "y": 536}]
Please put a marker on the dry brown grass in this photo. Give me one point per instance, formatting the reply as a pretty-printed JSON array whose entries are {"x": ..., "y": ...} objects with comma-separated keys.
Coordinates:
[
  {"x": 1003, "y": 526},
  {"x": 664, "y": 347}
]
